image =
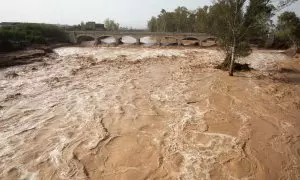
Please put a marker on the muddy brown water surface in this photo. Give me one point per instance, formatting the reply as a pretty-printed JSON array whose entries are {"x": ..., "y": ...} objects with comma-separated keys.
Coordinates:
[{"x": 150, "y": 113}]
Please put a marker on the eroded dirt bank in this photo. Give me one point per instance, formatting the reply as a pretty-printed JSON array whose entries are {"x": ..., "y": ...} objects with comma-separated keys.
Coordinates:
[{"x": 134, "y": 113}]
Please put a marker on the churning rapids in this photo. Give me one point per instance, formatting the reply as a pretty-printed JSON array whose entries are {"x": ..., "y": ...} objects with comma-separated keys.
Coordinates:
[{"x": 149, "y": 113}]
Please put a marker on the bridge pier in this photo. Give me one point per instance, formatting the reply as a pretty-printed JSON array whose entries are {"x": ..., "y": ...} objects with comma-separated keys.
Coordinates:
[
  {"x": 97, "y": 41},
  {"x": 179, "y": 42},
  {"x": 138, "y": 41},
  {"x": 200, "y": 43},
  {"x": 118, "y": 41},
  {"x": 158, "y": 42},
  {"x": 73, "y": 38}
]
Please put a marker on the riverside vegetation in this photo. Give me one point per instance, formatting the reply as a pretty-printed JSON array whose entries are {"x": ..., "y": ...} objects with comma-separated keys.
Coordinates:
[
  {"x": 22, "y": 35},
  {"x": 241, "y": 22}
]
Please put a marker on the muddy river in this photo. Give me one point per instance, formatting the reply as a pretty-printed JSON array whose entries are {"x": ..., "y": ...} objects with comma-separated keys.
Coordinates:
[
  {"x": 145, "y": 41},
  {"x": 149, "y": 113}
]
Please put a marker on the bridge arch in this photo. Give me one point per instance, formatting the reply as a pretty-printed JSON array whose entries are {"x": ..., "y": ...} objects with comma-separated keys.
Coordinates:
[
  {"x": 170, "y": 37},
  {"x": 170, "y": 40},
  {"x": 130, "y": 39},
  {"x": 83, "y": 38},
  {"x": 209, "y": 41},
  {"x": 190, "y": 38},
  {"x": 150, "y": 40},
  {"x": 102, "y": 38},
  {"x": 197, "y": 41}
]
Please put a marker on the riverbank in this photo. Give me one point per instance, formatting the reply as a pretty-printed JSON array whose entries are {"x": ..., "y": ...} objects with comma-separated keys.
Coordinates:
[{"x": 29, "y": 55}]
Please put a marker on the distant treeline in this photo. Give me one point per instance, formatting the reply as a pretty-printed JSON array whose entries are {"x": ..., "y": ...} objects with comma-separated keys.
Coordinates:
[
  {"x": 21, "y": 35},
  {"x": 181, "y": 20},
  {"x": 206, "y": 20}
]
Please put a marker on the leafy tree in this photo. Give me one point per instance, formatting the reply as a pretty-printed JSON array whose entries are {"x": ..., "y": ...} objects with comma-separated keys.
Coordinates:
[
  {"x": 190, "y": 23},
  {"x": 163, "y": 15},
  {"x": 181, "y": 14},
  {"x": 152, "y": 24},
  {"x": 201, "y": 19},
  {"x": 230, "y": 30},
  {"x": 181, "y": 20},
  {"x": 258, "y": 18},
  {"x": 288, "y": 28},
  {"x": 82, "y": 25},
  {"x": 171, "y": 22},
  {"x": 240, "y": 22},
  {"x": 111, "y": 25}
]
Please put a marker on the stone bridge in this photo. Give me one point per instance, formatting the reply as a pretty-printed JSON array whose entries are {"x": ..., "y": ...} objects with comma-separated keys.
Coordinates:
[{"x": 79, "y": 36}]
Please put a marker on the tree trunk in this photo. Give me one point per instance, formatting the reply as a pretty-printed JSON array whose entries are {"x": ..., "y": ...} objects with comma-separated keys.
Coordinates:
[
  {"x": 232, "y": 59},
  {"x": 226, "y": 63}
]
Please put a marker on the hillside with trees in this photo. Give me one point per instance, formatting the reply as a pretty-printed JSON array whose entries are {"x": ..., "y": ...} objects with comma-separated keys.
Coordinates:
[{"x": 23, "y": 35}]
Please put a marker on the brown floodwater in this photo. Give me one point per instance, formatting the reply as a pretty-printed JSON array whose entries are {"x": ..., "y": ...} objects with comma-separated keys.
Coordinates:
[
  {"x": 145, "y": 41},
  {"x": 150, "y": 113}
]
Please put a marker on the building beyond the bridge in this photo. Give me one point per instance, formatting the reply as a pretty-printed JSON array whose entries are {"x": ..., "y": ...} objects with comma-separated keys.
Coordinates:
[{"x": 92, "y": 26}]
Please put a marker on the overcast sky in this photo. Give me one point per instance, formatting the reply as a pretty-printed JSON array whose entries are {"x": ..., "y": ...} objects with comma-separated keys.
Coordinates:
[{"x": 129, "y": 13}]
